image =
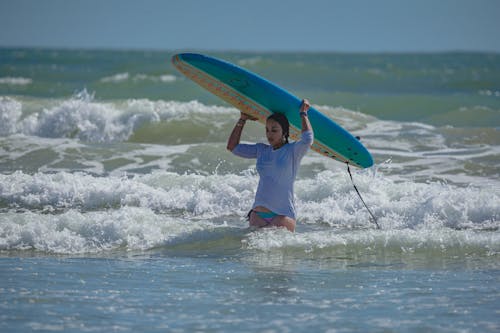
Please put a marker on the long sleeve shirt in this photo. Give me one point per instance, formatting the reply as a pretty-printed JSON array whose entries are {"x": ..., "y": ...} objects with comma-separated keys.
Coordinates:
[{"x": 277, "y": 170}]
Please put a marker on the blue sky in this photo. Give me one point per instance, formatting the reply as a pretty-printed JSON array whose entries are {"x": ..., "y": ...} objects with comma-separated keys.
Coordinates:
[{"x": 254, "y": 25}]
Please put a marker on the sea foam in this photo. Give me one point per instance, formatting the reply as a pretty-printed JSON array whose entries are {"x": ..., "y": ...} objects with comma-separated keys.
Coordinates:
[
  {"x": 15, "y": 81},
  {"x": 326, "y": 199},
  {"x": 76, "y": 213},
  {"x": 128, "y": 228},
  {"x": 86, "y": 119}
]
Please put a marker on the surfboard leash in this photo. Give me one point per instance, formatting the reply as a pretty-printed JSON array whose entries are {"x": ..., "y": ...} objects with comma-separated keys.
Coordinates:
[{"x": 373, "y": 218}]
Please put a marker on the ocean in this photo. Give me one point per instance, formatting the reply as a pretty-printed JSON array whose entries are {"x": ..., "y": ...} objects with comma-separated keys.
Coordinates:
[{"x": 122, "y": 211}]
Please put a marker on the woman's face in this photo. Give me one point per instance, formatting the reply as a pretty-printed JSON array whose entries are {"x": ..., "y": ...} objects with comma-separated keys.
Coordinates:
[{"x": 274, "y": 133}]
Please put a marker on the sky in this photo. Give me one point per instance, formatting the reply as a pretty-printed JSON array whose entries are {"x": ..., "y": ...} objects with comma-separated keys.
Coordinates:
[{"x": 254, "y": 25}]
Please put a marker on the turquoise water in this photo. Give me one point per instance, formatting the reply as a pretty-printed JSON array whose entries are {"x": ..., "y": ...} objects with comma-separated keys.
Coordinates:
[
  {"x": 121, "y": 210},
  {"x": 158, "y": 292}
]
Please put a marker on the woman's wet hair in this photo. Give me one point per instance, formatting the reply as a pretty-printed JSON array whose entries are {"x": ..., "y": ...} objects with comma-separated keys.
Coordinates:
[{"x": 283, "y": 121}]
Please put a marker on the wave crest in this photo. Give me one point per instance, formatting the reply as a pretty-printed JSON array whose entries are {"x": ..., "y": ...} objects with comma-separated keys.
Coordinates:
[{"x": 82, "y": 117}]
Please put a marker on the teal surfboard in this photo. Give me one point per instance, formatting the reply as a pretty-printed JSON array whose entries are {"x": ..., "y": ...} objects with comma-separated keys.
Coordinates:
[{"x": 259, "y": 98}]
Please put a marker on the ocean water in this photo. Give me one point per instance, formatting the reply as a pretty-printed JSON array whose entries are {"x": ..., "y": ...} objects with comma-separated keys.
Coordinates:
[{"x": 121, "y": 210}]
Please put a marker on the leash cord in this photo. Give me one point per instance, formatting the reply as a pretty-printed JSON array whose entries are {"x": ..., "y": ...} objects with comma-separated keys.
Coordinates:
[{"x": 374, "y": 219}]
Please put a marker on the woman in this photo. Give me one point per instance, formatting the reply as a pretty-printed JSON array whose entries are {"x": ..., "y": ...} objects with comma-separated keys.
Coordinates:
[{"x": 277, "y": 165}]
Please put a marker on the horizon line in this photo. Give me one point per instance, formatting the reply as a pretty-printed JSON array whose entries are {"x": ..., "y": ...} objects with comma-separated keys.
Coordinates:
[{"x": 236, "y": 50}]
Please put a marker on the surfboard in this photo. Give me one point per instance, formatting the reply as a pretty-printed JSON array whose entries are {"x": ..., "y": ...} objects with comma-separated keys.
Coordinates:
[{"x": 258, "y": 97}]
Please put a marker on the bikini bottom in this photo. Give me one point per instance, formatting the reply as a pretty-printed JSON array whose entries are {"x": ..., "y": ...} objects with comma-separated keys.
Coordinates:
[{"x": 266, "y": 216}]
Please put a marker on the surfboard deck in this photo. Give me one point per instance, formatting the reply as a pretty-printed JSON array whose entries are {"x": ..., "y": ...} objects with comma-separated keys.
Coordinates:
[{"x": 259, "y": 98}]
